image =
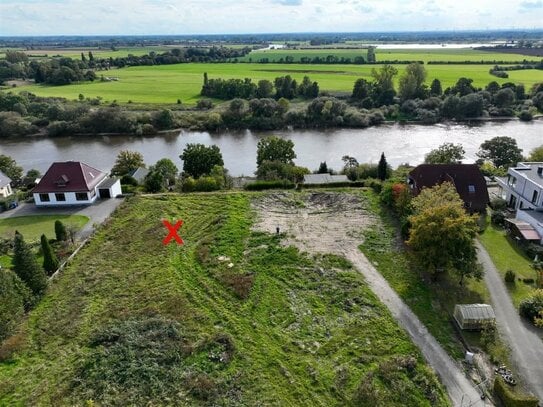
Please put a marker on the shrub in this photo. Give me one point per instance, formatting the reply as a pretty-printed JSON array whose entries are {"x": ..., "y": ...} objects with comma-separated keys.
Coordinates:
[
  {"x": 262, "y": 185},
  {"x": 241, "y": 284},
  {"x": 497, "y": 218},
  {"x": 510, "y": 276},
  {"x": 129, "y": 180},
  {"x": 525, "y": 116},
  {"x": 60, "y": 231},
  {"x": 511, "y": 399},
  {"x": 204, "y": 104},
  {"x": 498, "y": 204},
  {"x": 206, "y": 184},
  {"x": 528, "y": 280},
  {"x": 532, "y": 306},
  {"x": 533, "y": 250}
]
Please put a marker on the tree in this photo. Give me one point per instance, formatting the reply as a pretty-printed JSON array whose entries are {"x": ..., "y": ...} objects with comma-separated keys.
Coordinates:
[
  {"x": 447, "y": 153},
  {"x": 384, "y": 84},
  {"x": 361, "y": 89},
  {"x": 50, "y": 261},
  {"x": 442, "y": 234},
  {"x": 536, "y": 155},
  {"x": 126, "y": 162},
  {"x": 463, "y": 87},
  {"x": 264, "y": 89},
  {"x": 349, "y": 162},
  {"x": 435, "y": 88},
  {"x": 371, "y": 54},
  {"x": 167, "y": 169},
  {"x": 275, "y": 149},
  {"x": 26, "y": 266},
  {"x": 323, "y": 168},
  {"x": 164, "y": 119},
  {"x": 412, "y": 82},
  {"x": 14, "y": 299},
  {"x": 154, "y": 181},
  {"x": 199, "y": 159},
  {"x": 9, "y": 167},
  {"x": 501, "y": 151},
  {"x": 382, "y": 168},
  {"x": 504, "y": 97},
  {"x": 60, "y": 231}
]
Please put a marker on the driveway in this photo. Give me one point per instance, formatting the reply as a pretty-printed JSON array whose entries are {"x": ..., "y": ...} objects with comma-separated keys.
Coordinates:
[
  {"x": 524, "y": 340},
  {"x": 97, "y": 213}
]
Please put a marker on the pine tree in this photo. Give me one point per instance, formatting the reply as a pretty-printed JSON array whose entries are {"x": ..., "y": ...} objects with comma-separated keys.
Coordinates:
[
  {"x": 50, "y": 261},
  {"x": 26, "y": 266},
  {"x": 60, "y": 231},
  {"x": 382, "y": 168}
]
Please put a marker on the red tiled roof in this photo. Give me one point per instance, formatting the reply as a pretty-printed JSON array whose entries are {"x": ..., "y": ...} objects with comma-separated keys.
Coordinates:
[
  {"x": 69, "y": 176},
  {"x": 467, "y": 178}
]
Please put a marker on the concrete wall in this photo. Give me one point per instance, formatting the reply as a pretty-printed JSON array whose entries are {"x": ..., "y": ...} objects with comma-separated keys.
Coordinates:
[
  {"x": 116, "y": 189},
  {"x": 523, "y": 191},
  {"x": 70, "y": 200}
]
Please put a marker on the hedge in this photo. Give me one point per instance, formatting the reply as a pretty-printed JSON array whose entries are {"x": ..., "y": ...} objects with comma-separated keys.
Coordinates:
[
  {"x": 354, "y": 184},
  {"x": 511, "y": 399},
  {"x": 262, "y": 185}
]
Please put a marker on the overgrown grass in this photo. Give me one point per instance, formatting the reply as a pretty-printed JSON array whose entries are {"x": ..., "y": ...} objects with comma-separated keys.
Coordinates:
[
  {"x": 133, "y": 322},
  {"x": 507, "y": 255},
  {"x": 433, "y": 302},
  {"x": 32, "y": 227}
]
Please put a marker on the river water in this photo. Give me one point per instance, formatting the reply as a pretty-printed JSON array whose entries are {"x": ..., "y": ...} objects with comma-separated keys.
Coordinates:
[{"x": 400, "y": 143}]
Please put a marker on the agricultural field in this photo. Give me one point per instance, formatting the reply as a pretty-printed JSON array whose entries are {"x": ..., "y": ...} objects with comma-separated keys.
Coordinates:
[
  {"x": 389, "y": 54},
  {"x": 167, "y": 83},
  {"x": 96, "y": 52},
  {"x": 232, "y": 317}
]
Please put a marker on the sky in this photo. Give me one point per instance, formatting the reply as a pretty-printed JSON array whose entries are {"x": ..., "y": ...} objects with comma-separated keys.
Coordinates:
[{"x": 178, "y": 17}]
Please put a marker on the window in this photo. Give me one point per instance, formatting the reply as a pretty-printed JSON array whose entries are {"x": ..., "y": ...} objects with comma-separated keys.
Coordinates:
[
  {"x": 471, "y": 189},
  {"x": 44, "y": 197},
  {"x": 60, "y": 197},
  {"x": 534, "y": 198},
  {"x": 511, "y": 181},
  {"x": 81, "y": 196}
]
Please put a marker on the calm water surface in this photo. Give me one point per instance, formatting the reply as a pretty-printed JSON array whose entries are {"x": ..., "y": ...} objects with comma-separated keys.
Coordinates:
[{"x": 400, "y": 143}]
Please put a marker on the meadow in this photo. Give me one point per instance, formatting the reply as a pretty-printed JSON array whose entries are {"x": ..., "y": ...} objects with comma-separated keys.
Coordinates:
[
  {"x": 230, "y": 318},
  {"x": 167, "y": 83},
  {"x": 40, "y": 53},
  {"x": 388, "y": 54}
]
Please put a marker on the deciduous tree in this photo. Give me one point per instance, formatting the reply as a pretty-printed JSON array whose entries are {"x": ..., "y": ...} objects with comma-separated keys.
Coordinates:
[
  {"x": 199, "y": 159},
  {"x": 501, "y": 151},
  {"x": 9, "y": 167},
  {"x": 442, "y": 234},
  {"x": 126, "y": 162},
  {"x": 536, "y": 155},
  {"x": 447, "y": 153},
  {"x": 412, "y": 82},
  {"x": 275, "y": 149}
]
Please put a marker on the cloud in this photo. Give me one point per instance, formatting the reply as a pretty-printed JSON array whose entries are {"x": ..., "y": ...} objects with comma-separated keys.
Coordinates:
[
  {"x": 288, "y": 2},
  {"x": 531, "y": 4}
]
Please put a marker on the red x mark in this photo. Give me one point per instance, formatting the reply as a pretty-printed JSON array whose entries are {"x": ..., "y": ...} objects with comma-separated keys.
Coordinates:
[{"x": 172, "y": 234}]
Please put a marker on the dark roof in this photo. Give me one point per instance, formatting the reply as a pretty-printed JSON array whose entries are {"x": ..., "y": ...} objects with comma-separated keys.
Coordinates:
[
  {"x": 4, "y": 180},
  {"x": 69, "y": 176},
  {"x": 467, "y": 178},
  {"x": 108, "y": 182}
]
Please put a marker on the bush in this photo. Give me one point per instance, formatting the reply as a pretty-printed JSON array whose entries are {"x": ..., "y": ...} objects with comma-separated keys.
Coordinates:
[
  {"x": 262, "y": 185},
  {"x": 204, "y": 104},
  {"x": 206, "y": 184},
  {"x": 497, "y": 218},
  {"x": 532, "y": 306},
  {"x": 511, "y": 399},
  {"x": 498, "y": 204},
  {"x": 525, "y": 116},
  {"x": 354, "y": 184},
  {"x": 510, "y": 276},
  {"x": 129, "y": 180},
  {"x": 528, "y": 280},
  {"x": 533, "y": 250}
]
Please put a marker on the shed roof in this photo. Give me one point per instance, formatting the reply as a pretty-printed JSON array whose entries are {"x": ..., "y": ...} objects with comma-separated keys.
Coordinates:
[
  {"x": 324, "y": 178},
  {"x": 475, "y": 312},
  {"x": 108, "y": 182},
  {"x": 527, "y": 231}
]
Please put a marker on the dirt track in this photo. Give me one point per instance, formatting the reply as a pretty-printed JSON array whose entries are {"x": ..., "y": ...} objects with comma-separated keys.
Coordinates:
[{"x": 327, "y": 222}]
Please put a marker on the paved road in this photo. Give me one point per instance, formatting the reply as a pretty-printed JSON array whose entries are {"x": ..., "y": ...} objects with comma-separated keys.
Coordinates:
[
  {"x": 525, "y": 340},
  {"x": 97, "y": 213},
  {"x": 460, "y": 389}
]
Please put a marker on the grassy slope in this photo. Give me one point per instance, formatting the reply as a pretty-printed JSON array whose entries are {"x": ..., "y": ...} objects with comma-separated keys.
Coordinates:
[
  {"x": 433, "y": 303},
  {"x": 506, "y": 255},
  {"x": 167, "y": 83},
  {"x": 302, "y": 337},
  {"x": 32, "y": 227}
]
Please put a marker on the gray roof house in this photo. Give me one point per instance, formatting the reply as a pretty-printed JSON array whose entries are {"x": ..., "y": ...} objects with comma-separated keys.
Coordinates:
[
  {"x": 523, "y": 191},
  {"x": 5, "y": 185},
  {"x": 139, "y": 174},
  {"x": 322, "y": 179}
]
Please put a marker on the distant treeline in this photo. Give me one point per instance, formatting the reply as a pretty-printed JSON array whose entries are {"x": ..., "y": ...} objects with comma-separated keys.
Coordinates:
[
  {"x": 483, "y": 62},
  {"x": 330, "y": 60}
]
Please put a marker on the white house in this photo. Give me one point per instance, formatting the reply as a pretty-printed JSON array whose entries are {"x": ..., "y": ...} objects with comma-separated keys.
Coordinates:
[
  {"x": 74, "y": 183},
  {"x": 5, "y": 185},
  {"x": 523, "y": 191}
]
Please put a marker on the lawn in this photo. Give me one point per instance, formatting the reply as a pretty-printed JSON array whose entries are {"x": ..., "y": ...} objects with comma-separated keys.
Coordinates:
[
  {"x": 167, "y": 83},
  {"x": 32, "y": 227},
  {"x": 140, "y": 323},
  {"x": 506, "y": 255}
]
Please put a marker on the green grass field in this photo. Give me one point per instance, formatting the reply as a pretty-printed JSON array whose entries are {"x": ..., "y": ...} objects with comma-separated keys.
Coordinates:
[
  {"x": 390, "y": 54},
  {"x": 134, "y": 322},
  {"x": 167, "y": 83},
  {"x": 96, "y": 52},
  {"x": 506, "y": 255},
  {"x": 32, "y": 227}
]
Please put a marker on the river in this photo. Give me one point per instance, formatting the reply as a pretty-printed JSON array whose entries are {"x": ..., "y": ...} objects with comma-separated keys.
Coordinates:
[{"x": 400, "y": 143}]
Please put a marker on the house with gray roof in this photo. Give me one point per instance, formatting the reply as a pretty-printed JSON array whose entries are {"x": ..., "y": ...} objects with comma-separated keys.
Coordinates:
[
  {"x": 323, "y": 179},
  {"x": 5, "y": 185}
]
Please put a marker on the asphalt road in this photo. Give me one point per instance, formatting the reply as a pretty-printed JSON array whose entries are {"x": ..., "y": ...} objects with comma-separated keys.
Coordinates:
[{"x": 525, "y": 341}]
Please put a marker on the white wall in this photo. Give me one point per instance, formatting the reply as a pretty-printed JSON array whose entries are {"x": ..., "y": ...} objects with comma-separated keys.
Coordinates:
[
  {"x": 6, "y": 191},
  {"x": 70, "y": 200},
  {"x": 115, "y": 189}
]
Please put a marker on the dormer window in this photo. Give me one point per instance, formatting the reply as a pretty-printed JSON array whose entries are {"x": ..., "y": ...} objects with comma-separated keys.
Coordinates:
[
  {"x": 471, "y": 189},
  {"x": 62, "y": 181}
]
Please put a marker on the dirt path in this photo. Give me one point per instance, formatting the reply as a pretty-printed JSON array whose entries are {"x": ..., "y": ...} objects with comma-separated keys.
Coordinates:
[
  {"x": 327, "y": 222},
  {"x": 524, "y": 340}
]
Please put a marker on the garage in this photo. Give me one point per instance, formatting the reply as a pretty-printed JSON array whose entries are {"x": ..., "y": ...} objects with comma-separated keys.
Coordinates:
[{"x": 109, "y": 188}]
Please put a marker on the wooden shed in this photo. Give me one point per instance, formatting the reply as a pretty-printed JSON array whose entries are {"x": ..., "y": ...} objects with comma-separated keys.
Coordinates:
[{"x": 473, "y": 316}]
